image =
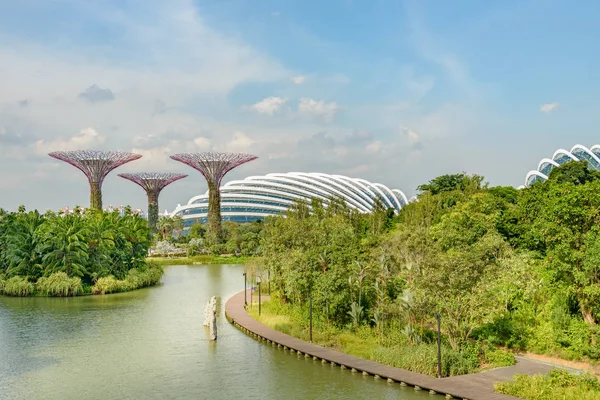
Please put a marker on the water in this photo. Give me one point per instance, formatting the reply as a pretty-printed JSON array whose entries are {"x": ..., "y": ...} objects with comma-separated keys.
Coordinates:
[{"x": 150, "y": 344}]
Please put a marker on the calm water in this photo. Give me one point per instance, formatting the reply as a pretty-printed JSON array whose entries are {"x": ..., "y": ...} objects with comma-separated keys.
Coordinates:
[{"x": 150, "y": 344}]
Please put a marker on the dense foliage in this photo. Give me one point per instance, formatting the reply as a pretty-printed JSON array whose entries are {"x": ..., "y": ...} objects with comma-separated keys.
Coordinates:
[
  {"x": 66, "y": 254},
  {"x": 516, "y": 268},
  {"x": 557, "y": 385}
]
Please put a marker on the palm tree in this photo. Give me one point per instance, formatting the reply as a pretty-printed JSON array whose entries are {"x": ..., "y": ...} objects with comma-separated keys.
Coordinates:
[
  {"x": 21, "y": 242},
  {"x": 64, "y": 247}
]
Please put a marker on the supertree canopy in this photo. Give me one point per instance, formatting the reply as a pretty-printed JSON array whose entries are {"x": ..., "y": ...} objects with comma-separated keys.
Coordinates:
[
  {"x": 153, "y": 183},
  {"x": 95, "y": 165},
  {"x": 214, "y": 166}
]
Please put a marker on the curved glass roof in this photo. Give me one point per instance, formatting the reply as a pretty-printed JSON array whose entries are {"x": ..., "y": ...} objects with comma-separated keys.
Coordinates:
[
  {"x": 271, "y": 194},
  {"x": 561, "y": 156}
]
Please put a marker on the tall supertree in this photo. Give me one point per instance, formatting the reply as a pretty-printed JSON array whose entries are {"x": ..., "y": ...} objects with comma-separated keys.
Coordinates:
[
  {"x": 214, "y": 166},
  {"x": 95, "y": 165},
  {"x": 153, "y": 183}
]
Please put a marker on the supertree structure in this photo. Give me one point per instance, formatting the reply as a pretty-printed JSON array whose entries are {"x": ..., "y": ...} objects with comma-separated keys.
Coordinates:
[
  {"x": 153, "y": 183},
  {"x": 95, "y": 165},
  {"x": 214, "y": 166}
]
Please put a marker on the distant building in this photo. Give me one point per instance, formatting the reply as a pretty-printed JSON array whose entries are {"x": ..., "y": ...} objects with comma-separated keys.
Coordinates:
[
  {"x": 257, "y": 197},
  {"x": 561, "y": 156}
]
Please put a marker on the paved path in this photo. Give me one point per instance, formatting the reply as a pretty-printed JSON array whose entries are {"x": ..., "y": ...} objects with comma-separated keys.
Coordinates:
[{"x": 479, "y": 386}]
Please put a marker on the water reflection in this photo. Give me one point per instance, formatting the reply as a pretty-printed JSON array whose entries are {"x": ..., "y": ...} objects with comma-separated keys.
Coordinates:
[{"x": 150, "y": 344}]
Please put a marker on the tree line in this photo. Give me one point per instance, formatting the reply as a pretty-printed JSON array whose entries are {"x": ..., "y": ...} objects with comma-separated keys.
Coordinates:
[
  {"x": 516, "y": 268},
  {"x": 79, "y": 248}
]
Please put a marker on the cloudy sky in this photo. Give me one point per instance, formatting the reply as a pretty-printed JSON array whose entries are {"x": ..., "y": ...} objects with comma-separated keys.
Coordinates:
[{"x": 396, "y": 92}]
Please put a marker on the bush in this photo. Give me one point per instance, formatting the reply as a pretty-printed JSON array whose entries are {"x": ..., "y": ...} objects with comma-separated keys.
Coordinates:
[
  {"x": 422, "y": 358},
  {"x": 59, "y": 284},
  {"x": 499, "y": 358},
  {"x": 135, "y": 279},
  {"x": 558, "y": 384},
  {"x": 17, "y": 286},
  {"x": 108, "y": 284}
]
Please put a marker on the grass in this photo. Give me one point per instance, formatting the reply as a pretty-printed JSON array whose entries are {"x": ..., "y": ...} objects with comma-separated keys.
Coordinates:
[
  {"x": 557, "y": 385},
  {"x": 204, "y": 259},
  {"x": 391, "y": 348},
  {"x": 59, "y": 284},
  {"x": 135, "y": 279},
  {"x": 17, "y": 286}
]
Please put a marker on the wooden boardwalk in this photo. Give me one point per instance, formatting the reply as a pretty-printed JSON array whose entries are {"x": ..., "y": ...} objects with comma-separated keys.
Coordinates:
[{"x": 479, "y": 386}]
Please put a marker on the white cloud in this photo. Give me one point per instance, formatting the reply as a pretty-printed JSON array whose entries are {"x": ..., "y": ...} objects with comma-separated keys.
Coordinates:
[
  {"x": 86, "y": 139},
  {"x": 202, "y": 143},
  {"x": 299, "y": 79},
  {"x": 240, "y": 142},
  {"x": 313, "y": 108},
  {"x": 269, "y": 106},
  {"x": 548, "y": 108},
  {"x": 374, "y": 147},
  {"x": 413, "y": 137}
]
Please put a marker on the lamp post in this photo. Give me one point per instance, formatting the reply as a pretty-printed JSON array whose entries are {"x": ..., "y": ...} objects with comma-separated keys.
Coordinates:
[
  {"x": 245, "y": 290},
  {"x": 439, "y": 346},
  {"x": 310, "y": 313},
  {"x": 258, "y": 282}
]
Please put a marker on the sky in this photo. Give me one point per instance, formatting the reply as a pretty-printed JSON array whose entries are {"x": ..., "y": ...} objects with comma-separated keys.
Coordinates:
[{"x": 395, "y": 92}]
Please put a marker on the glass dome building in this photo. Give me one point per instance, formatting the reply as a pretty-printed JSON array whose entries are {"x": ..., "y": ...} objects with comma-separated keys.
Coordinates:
[
  {"x": 257, "y": 197},
  {"x": 561, "y": 156}
]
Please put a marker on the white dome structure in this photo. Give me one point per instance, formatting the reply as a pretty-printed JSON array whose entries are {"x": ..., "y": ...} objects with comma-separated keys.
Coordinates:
[
  {"x": 257, "y": 197},
  {"x": 561, "y": 156}
]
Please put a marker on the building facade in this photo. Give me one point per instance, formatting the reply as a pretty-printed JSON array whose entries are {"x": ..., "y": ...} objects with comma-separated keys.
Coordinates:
[{"x": 257, "y": 197}]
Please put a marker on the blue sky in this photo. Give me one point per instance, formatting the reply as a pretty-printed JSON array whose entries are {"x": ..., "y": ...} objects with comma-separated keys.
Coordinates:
[{"x": 396, "y": 92}]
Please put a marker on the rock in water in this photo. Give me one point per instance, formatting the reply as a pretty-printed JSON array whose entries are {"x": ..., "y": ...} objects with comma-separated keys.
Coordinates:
[
  {"x": 210, "y": 308},
  {"x": 213, "y": 326}
]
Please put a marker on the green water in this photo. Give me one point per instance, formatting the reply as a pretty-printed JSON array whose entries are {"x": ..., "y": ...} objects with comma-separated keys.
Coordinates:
[{"x": 150, "y": 344}]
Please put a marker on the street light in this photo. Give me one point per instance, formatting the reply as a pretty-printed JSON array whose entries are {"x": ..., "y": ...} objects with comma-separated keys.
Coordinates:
[
  {"x": 245, "y": 290},
  {"x": 258, "y": 282},
  {"x": 439, "y": 343},
  {"x": 310, "y": 306}
]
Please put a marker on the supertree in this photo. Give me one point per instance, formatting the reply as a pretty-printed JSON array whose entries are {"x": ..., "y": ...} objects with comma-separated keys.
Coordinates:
[
  {"x": 153, "y": 183},
  {"x": 95, "y": 165},
  {"x": 214, "y": 166}
]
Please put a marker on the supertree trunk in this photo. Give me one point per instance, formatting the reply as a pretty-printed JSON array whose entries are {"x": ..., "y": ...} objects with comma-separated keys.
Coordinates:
[
  {"x": 153, "y": 211},
  {"x": 214, "y": 166},
  {"x": 96, "y": 196},
  {"x": 215, "y": 230},
  {"x": 153, "y": 183}
]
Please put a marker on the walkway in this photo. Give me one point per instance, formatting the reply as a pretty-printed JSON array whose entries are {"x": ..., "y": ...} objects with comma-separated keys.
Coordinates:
[{"x": 479, "y": 386}]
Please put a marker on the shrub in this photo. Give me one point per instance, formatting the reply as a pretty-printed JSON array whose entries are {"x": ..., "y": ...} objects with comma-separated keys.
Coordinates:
[
  {"x": 59, "y": 284},
  {"x": 108, "y": 284},
  {"x": 499, "y": 358},
  {"x": 135, "y": 279},
  {"x": 422, "y": 358},
  {"x": 17, "y": 286},
  {"x": 558, "y": 384}
]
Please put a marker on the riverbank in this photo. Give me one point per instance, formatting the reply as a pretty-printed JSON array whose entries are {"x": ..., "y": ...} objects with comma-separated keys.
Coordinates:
[
  {"x": 387, "y": 345},
  {"x": 527, "y": 379},
  {"x": 204, "y": 259},
  {"x": 474, "y": 386},
  {"x": 61, "y": 285}
]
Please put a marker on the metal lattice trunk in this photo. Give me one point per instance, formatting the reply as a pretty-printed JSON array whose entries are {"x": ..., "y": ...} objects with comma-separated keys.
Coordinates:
[
  {"x": 153, "y": 183},
  {"x": 96, "y": 165},
  {"x": 214, "y": 166}
]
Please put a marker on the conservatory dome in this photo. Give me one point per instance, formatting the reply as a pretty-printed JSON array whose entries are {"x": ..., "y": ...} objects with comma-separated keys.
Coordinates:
[
  {"x": 257, "y": 197},
  {"x": 561, "y": 156}
]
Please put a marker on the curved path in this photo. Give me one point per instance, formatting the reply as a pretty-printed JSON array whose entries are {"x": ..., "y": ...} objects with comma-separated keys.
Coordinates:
[{"x": 479, "y": 386}]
